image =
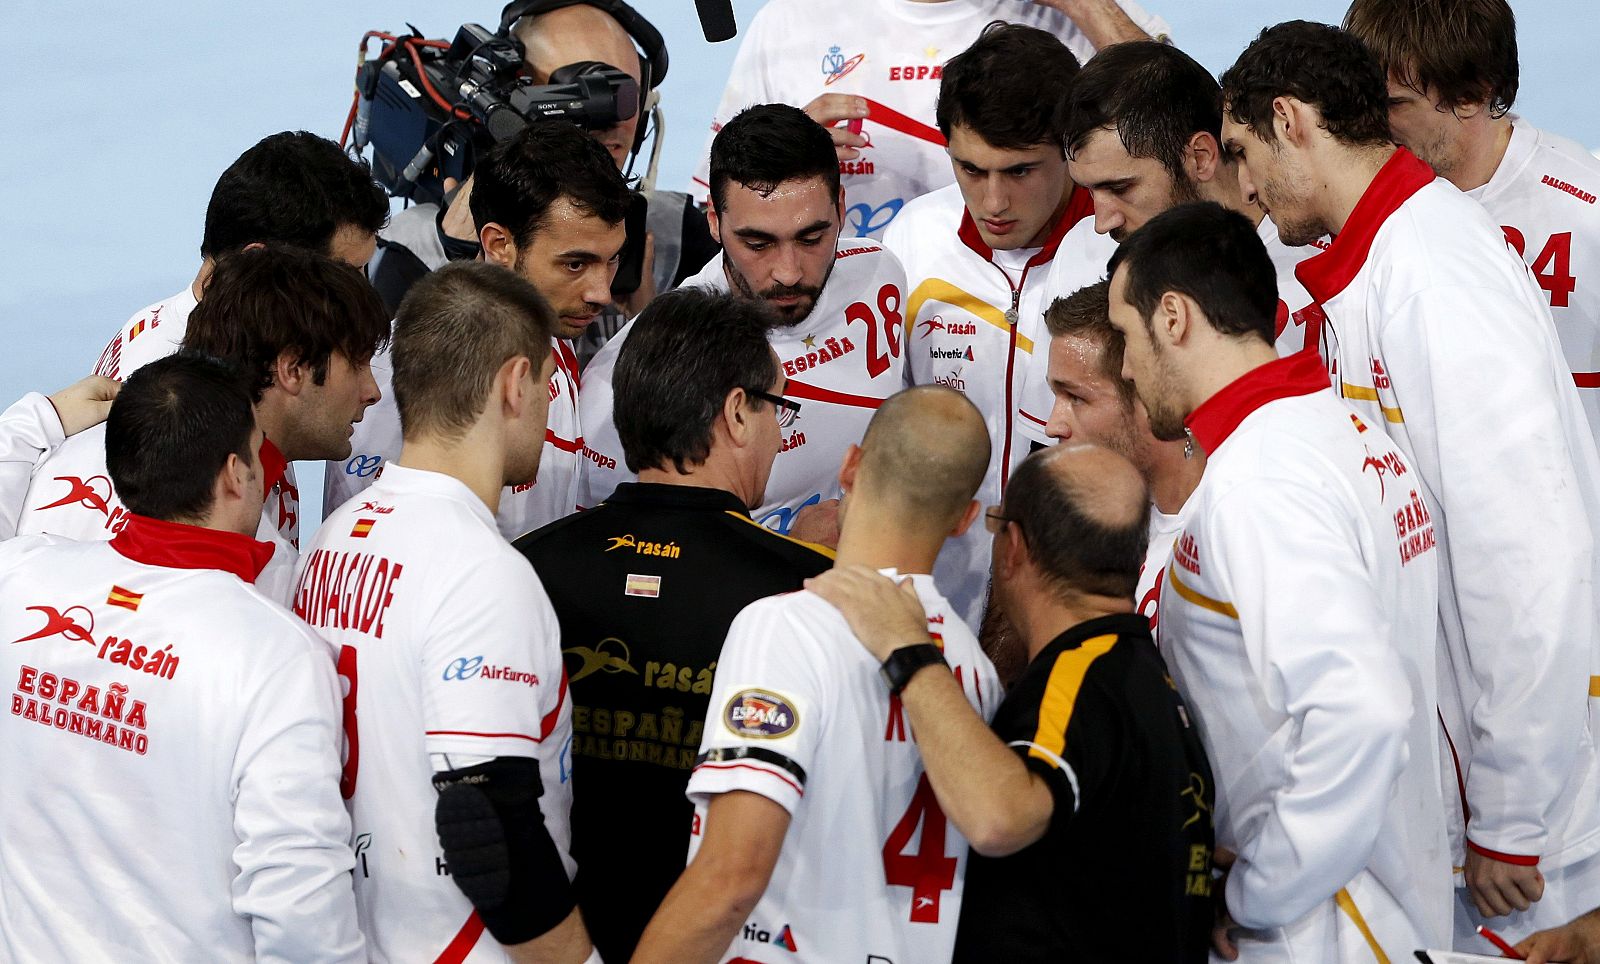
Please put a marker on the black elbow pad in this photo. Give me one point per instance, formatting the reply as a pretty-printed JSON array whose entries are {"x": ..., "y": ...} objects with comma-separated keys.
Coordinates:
[{"x": 498, "y": 850}]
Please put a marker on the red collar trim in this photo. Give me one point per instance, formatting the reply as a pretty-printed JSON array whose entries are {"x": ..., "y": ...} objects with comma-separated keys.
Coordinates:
[
  {"x": 1299, "y": 374},
  {"x": 273, "y": 466},
  {"x": 1328, "y": 273},
  {"x": 1079, "y": 205},
  {"x": 174, "y": 545}
]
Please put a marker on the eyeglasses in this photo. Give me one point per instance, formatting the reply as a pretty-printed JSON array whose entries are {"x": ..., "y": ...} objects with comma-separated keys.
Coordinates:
[
  {"x": 994, "y": 521},
  {"x": 783, "y": 404}
]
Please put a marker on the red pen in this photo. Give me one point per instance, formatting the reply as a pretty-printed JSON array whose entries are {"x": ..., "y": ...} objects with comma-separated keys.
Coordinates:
[
  {"x": 1506, "y": 950},
  {"x": 854, "y": 126}
]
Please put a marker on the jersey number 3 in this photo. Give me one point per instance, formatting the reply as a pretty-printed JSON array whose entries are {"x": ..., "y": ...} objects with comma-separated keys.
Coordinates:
[
  {"x": 352, "y": 734},
  {"x": 928, "y": 872},
  {"x": 889, "y": 312}
]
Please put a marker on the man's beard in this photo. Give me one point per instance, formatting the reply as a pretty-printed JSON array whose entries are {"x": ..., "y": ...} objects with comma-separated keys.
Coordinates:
[
  {"x": 1166, "y": 417},
  {"x": 789, "y": 315},
  {"x": 1183, "y": 191},
  {"x": 1294, "y": 232}
]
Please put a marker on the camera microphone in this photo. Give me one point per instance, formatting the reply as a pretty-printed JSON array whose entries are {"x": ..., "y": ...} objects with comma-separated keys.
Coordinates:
[{"x": 716, "y": 19}]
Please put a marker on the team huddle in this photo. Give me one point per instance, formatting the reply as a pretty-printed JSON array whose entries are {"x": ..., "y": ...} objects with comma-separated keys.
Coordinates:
[{"x": 1051, "y": 504}]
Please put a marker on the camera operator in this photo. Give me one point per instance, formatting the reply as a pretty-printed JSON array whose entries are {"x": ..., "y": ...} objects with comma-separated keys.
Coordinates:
[{"x": 678, "y": 242}]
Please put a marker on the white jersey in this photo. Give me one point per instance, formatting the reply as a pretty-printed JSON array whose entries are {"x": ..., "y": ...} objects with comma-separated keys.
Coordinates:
[
  {"x": 1082, "y": 259},
  {"x": 552, "y": 495},
  {"x": 70, "y": 495},
  {"x": 446, "y": 645},
  {"x": 1164, "y": 531},
  {"x": 171, "y": 758},
  {"x": 975, "y": 322},
  {"x": 892, "y": 53},
  {"x": 29, "y": 431},
  {"x": 1423, "y": 298},
  {"x": 1300, "y": 621},
  {"x": 841, "y": 362},
  {"x": 155, "y": 332},
  {"x": 803, "y": 718},
  {"x": 1544, "y": 199}
]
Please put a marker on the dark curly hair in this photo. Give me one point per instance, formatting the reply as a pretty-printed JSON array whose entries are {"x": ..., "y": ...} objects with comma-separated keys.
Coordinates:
[{"x": 1318, "y": 65}]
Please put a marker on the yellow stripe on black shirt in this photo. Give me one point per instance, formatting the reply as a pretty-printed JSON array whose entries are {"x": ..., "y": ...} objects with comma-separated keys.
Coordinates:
[{"x": 1061, "y": 695}]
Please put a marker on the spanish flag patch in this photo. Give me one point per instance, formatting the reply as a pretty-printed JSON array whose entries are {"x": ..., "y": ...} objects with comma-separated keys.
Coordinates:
[
  {"x": 362, "y": 528},
  {"x": 126, "y": 598},
  {"x": 136, "y": 330}
]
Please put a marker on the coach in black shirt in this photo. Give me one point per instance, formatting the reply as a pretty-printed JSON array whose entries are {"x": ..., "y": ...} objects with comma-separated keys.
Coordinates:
[
  {"x": 647, "y": 583},
  {"x": 1088, "y": 805}
]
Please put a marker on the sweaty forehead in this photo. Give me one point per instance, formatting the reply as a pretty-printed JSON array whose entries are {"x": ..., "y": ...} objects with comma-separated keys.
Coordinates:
[
  {"x": 567, "y": 227},
  {"x": 789, "y": 207}
]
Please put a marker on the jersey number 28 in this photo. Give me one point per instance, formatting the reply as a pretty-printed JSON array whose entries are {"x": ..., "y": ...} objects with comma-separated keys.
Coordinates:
[
  {"x": 889, "y": 313},
  {"x": 928, "y": 872}
]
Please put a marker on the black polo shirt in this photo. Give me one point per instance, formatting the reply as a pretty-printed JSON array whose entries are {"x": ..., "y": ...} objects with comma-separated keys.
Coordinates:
[
  {"x": 646, "y": 585},
  {"x": 1123, "y": 873}
]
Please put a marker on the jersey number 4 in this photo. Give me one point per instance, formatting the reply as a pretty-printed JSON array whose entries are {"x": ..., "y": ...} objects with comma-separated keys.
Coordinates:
[
  {"x": 889, "y": 313},
  {"x": 928, "y": 872},
  {"x": 1552, "y": 268}
]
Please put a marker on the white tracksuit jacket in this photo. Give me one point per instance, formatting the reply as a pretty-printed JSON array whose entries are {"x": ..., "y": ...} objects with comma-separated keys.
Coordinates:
[
  {"x": 1299, "y": 619},
  {"x": 1436, "y": 332}
]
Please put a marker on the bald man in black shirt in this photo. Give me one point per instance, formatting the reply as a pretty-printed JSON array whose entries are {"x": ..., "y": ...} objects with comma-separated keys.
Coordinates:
[
  {"x": 1088, "y": 805},
  {"x": 647, "y": 583}
]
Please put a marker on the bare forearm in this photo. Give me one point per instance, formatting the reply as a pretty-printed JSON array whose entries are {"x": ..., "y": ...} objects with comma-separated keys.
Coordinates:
[
  {"x": 1102, "y": 21},
  {"x": 566, "y": 943},
  {"x": 983, "y": 787},
  {"x": 696, "y": 922}
]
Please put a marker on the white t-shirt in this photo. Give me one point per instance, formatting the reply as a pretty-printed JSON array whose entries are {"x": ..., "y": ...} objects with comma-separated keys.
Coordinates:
[
  {"x": 1439, "y": 336},
  {"x": 155, "y": 332},
  {"x": 960, "y": 333},
  {"x": 1544, "y": 199},
  {"x": 552, "y": 495},
  {"x": 1164, "y": 531},
  {"x": 70, "y": 495},
  {"x": 171, "y": 758},
  {"x": 891, "y": 52},
  {"x": 1299, "y": 619},
  {"x": 803, "y": 718},
  {"x": 29, "y": 431},
  {"x": 841, "y": 362},
  {"x": 447, "y": 645}
]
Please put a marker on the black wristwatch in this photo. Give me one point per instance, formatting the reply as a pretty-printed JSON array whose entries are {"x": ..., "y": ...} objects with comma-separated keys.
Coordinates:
[{"x": 904, "y": 663}]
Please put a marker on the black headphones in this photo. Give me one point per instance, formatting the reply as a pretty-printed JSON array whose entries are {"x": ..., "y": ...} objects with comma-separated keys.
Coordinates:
[{"x": 653, "y": 50}]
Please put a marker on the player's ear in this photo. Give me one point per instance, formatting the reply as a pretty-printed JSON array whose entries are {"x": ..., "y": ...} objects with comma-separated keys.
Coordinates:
[
  {"x": 967, "y": 518},
  {"x": 713, "y": 221},
  {"x": 1174, "y": 316},
  {"x": 290, "y": 373},
  {"x": 234, "y": 481},
  {"x": 1294, "y": 120},
  {"x": 514, "y": 383},
  {"x": 1201, "y": 157},
  {"x": 849, "y": 467},
  {"x": 499, "y": 246}
]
